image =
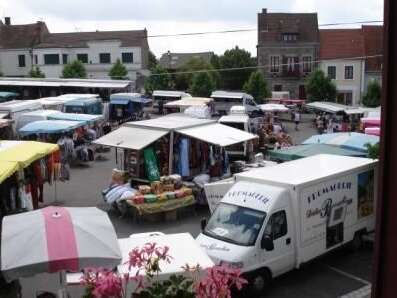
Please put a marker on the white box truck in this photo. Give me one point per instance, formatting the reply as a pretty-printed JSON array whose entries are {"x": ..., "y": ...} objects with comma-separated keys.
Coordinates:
[{"x": 271, "y": 220}]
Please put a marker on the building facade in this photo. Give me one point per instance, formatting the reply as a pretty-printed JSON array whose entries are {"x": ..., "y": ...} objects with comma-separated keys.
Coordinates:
[
  {"x": 342, "y": 59},
  {"x": 25, "y": 46},
  {"x": 288, "y": 46},
  {"x": 352, "y": 58}
]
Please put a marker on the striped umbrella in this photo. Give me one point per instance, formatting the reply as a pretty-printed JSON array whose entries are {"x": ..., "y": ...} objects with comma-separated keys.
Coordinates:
[
  {"x": 347, "y": 140},
  {"x": 54, "y": 239}
]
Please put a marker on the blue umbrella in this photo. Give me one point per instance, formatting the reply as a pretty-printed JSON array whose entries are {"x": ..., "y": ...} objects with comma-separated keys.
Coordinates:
[
  {"x": 86, "y": 118},
  {"x": 347, "y": 140},
  {"x": 49, "y": 126}
]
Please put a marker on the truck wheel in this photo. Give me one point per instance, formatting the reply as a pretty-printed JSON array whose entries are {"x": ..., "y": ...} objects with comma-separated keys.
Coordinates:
[
  {"x": 357, "y": 242},
  {"x": 260, "y": 281}
]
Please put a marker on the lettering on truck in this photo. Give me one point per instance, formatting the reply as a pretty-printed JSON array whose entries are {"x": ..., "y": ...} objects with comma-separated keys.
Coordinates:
[{"x": 248, "y": 195}]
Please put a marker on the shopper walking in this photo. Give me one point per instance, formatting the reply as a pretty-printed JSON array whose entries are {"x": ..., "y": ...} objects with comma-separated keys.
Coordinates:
[{"x": 297, "y": 119}]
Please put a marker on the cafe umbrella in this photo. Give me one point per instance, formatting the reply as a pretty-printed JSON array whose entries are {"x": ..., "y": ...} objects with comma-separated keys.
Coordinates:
[{"x": 57, "y": 239}]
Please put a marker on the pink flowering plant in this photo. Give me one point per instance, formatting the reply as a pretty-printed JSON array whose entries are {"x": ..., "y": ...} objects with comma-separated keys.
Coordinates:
[{"x": 216, "y": 283}]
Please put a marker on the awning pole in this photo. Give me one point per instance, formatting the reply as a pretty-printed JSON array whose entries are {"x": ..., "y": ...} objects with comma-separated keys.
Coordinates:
[{"x": 171, "y": 154}]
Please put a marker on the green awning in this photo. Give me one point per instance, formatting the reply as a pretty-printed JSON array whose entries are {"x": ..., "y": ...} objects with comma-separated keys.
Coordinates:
[{"x": 300, "y": 151}]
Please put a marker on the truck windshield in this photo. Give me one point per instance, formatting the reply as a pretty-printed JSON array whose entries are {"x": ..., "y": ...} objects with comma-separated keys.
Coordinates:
[{"x": 235, "y": 224}]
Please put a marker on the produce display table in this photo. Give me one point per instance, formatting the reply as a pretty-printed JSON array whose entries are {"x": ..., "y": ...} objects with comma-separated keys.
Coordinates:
[{"x": 161, "y": 206}]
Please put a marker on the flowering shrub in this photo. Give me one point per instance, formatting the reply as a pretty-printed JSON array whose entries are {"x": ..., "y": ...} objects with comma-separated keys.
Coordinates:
[{"x": 217, "y": 282}]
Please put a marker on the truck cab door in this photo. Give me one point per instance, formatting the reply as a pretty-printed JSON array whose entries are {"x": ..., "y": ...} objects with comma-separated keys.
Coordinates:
[{"x": 279, "y": 229}]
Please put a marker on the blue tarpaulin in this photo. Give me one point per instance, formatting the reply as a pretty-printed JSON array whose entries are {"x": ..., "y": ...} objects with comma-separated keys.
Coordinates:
[
  {"x": 87, "y": 118},
  {"x": 49, "y": 126},
  {"x": 347, "y": 140}
]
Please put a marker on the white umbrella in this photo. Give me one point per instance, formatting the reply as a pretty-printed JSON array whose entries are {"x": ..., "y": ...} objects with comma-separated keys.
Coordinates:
[{"x": 53, "y": 239}]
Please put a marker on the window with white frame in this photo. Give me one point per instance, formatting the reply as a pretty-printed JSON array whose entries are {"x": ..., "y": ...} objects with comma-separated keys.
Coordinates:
[
  {"x": 290, "y": 64},
  {"x": 331, "y": 71},
  {"x": 349, "y": 72},
  {"x": 307, "y": 63},
  {"x": 274, "y": 64}
]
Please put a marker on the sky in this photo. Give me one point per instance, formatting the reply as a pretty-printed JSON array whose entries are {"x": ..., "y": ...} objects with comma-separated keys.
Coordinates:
[{"x": 181, "y": 16}]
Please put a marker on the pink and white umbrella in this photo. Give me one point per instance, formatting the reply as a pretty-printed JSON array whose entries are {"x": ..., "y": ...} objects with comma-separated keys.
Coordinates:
[{"x": 53, "y": 239}]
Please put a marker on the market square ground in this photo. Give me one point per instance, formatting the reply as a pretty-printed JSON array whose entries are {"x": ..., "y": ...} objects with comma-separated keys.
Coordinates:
[{"x": 334, "y": 275}]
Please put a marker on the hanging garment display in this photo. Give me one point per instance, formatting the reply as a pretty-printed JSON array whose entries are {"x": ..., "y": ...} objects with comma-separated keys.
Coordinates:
[
  {"x": 183, "y": 162},
  {"x": 151, "y": 167}
]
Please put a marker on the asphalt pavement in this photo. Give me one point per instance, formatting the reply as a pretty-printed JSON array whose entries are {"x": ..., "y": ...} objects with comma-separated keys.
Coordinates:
[{"x": 334, "y": 275}]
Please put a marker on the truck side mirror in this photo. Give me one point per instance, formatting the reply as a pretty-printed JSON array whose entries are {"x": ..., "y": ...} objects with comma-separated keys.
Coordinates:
[
  {"x": 203, "y": 224},
  {"x": 267, "y": 243}
]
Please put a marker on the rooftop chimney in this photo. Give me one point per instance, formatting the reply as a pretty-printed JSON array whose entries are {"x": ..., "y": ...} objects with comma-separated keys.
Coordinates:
[
  {"x": 264, "y": 10},
  {"x": 7, "y": 21}
]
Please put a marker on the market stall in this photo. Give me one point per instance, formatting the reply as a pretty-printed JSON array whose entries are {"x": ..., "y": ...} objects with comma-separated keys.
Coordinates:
[
  {"x": 173, "y": 144},
  {"x": 301, "y": 151},
  {"x": 74, "y": 140},
  {"x": 182, "y": 104},
  {"x": 24, "y": 168},
  {"x": 127, "y": 106},
  {"x": 348, "y": 140}
]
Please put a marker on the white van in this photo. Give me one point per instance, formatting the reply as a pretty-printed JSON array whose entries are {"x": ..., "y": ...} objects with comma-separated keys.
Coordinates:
[
  {"x": 224, "y": 100},
  {"x": 15, "y": 108},
  {"x": 272, "y": 220}
]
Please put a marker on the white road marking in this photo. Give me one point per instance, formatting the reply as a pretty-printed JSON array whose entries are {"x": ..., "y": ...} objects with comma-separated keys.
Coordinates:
[{"x": 348, "y": 275}]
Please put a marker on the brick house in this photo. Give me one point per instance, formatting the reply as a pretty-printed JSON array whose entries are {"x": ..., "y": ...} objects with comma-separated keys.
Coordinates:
[{"x": 288, "y": 46}]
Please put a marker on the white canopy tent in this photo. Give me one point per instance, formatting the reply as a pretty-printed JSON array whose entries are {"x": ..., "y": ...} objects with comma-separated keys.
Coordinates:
[
  {"x": 140, "y": 134},
  {"x": 188, "y": 102},
  {"x": 134, "y": 138},
  {"x": 218, "y": 134}
]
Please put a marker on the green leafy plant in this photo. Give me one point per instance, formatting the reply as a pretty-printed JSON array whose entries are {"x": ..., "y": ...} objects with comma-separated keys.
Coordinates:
[
  {"x": 373, "y": 150},
  {"x": 257, "y": 86},
  {"x": 74, "y": 69},
  {"x": 118, "y": 71},
  {"x": 35, "y": 72},
  {"x": 152, "y": 60},
  {"x": 373, "y": 95},
  {"x": 202, "y": 84},
  {"x": 235, "y": 58},
  {"x": 158, "y": 80},
  {"x": 320, "y": 87}
]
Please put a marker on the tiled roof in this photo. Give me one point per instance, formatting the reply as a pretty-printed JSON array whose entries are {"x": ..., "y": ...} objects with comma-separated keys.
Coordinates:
[
  {"x": 373, "y": 45},
  {"x": 133, "y": 38},
  {"x": 271, "y": 26},
  {"x": 37, "y": 35},
  {"x": 341, "y": 43},
  {"x": 178, "y": 60},
  {"x": 21, "y": 36}
]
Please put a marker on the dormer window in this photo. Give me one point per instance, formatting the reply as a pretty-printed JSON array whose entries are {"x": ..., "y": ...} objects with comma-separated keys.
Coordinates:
[{"x": 289, "y": 36}]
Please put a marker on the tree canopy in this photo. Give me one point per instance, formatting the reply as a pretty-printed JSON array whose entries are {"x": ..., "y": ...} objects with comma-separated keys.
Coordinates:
[
  {"x": 373, "y": 95},
  {"x": 35, "y": 72},
  {"x": 74, "y": 69},
  {"x": 235, "y": 58},
  {"x": 202, "y": 84},
  {"x": 158, "y": 80},
  {"x": 257, "y": 86},
  {"x": 152, "y": 60},
  {"x": 320, "y": 87},
  {"x": 118, "y": 71},
  {"x": 184, "y": 80}
]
